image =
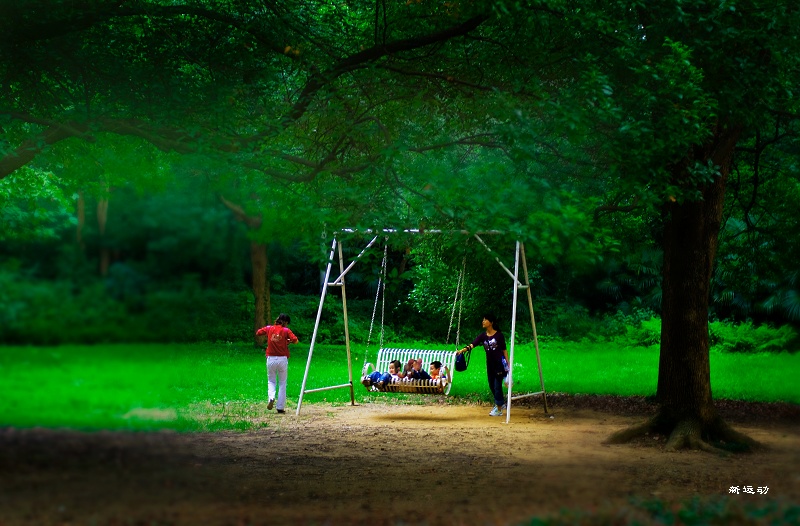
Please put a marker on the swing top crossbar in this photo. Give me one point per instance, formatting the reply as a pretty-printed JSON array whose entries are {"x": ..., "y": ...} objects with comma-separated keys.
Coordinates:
[
  {"x": 340, "y": 279},
  {"x": 388, "y": 231}
]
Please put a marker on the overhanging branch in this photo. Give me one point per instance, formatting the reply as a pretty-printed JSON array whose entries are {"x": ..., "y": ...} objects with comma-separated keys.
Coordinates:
[
  {"x": 372, "y": 55},
  {"x": 180, "y": 141},
  {"x": 616, "y": 207},
  {"x": 472, "y": 140},
  {"x": 167, "y": 140}
]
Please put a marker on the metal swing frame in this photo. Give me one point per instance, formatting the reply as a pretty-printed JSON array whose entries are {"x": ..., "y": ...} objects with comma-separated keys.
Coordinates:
[{"x": 336, "y": 246}]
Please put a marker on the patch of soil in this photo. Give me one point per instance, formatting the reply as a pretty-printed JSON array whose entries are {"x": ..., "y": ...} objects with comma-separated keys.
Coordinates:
[{"x": 386, "y": 463}]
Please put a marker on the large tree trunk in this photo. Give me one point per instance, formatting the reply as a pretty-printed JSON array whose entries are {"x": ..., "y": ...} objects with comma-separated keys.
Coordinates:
[
  {"x": 686, "y": 409},
  {"x": 690, "y": 245},
  {"x": 102, "y": 218},
  {"x": 260, "y": 264},
  {"x": 267, "y": 290},
  {"x": 81, "y": 212},
  {"x": 261, "y": 289},
  {"x": 258, "y": 257}
]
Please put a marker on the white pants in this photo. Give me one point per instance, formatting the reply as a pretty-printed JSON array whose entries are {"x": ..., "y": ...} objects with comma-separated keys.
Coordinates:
[{"x": 277, "y": 371}]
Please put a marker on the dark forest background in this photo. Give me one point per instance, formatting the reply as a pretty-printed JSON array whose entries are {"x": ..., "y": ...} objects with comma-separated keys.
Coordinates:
[{"x": 173, "y": 265}]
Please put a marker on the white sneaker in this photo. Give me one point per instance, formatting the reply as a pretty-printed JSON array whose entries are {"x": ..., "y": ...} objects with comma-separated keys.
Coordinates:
[{"x": 496, "y": 411}]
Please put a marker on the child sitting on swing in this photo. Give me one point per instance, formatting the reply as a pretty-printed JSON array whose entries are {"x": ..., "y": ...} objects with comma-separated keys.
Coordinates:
[
  {"x": 414, "y": 370},
  {"x": 435, "y": 370},
  {"x": 379, "y": 380}
]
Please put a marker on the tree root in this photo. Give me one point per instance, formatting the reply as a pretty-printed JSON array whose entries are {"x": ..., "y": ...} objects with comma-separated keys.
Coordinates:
[
  {"x": 624, "y": 436},
  {"x": 690, "y": 433},
  {"x": 725, "y": 434}
]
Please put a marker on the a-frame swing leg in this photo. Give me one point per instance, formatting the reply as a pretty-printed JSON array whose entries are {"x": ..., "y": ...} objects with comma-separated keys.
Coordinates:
[
  {"x": 346, "y": 329},
  {"x": 520, "y": 254},
  {"x": 316, "y": 325},
  {"x": 533, "y": 326},
  {"x": 513, "y": 332},
  {"x": 338, "y": 282}
]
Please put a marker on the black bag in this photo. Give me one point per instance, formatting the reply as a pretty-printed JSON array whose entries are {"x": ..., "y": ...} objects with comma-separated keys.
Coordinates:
[{"x": 462, "y": 361}]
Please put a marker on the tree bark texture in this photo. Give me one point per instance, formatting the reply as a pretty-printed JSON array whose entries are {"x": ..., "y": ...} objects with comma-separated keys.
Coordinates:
[
  {"x": 102, "y": 218},
  {"x": 267, "y": 289},
  {"x": 258, "y": 259},
  {"x": 690, "y": 246},
  {"x": 81, "y": 212},
  {"x": 260, "y": 264}
]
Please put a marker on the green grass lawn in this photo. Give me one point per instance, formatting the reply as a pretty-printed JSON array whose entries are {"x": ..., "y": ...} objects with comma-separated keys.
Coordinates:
[{"x": 208, "y": 386}]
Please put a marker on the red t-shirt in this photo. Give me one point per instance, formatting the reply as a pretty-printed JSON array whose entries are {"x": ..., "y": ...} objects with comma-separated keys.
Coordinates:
[{"x": 278, "y": 339}]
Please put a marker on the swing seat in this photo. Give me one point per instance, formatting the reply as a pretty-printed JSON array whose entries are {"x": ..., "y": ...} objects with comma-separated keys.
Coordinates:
[{"x": 439, "y": 386}]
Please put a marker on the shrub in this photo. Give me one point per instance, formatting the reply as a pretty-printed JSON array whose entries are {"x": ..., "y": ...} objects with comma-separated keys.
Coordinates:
[
  {"x": 303, "y": 310},
  {"x": 49, "y": 313},
  {"x": 744, "y": 337},
  {"x": 643, "y": 334},
  {"x": 54, "y": 312},
  {"x": 637, "y": 327},
  {"x": 574, "y": 323},
  {"x": 568, "y": 322}
]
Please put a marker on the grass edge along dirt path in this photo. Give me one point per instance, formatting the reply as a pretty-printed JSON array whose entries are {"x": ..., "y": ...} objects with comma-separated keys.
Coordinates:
[{"x": 223, "y": 386}]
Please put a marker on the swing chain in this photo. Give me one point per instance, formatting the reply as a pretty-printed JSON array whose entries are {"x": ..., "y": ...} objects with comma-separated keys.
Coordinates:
[
  {"x": 461, "y": 303},
  {"x": 461, "y": 300},
  {"x": 459, "y": 289},
  {"x": 383, "y": 286},
  {"x": 381, "y": 280}
]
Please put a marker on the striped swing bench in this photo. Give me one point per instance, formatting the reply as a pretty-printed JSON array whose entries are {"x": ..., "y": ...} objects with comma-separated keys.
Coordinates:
[{"x": 439, "y": 386}]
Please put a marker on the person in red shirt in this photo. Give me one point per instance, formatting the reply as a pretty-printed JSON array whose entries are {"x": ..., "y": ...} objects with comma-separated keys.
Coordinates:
[{"x": 279, "y": 336}]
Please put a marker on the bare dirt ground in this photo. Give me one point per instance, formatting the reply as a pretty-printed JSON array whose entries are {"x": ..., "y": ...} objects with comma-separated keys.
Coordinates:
[{"x": 383, "y": 463}]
